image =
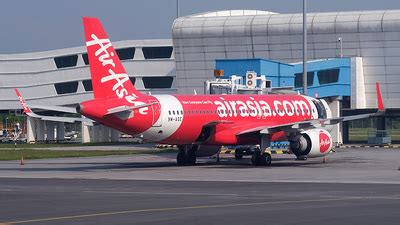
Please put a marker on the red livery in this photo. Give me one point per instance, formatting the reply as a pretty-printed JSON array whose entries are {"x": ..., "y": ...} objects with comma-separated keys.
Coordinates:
[{"x": 201, "y": 124}]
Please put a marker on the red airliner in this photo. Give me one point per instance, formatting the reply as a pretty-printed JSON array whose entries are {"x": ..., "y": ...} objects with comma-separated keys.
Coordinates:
[{"x": 201, "y": 124}]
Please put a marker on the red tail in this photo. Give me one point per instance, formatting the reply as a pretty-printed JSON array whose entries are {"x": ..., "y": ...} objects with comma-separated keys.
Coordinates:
[
  {"x": 27, "y": 110},
  {"x": 109, "y": 78},
  {"x": 381, "y": 107}
]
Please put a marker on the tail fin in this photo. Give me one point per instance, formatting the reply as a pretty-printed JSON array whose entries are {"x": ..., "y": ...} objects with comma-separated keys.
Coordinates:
[
  {"x": 109, "y": 79},
  {"x": 26, "y": 108},
  {"x": 381, "y": 107}
]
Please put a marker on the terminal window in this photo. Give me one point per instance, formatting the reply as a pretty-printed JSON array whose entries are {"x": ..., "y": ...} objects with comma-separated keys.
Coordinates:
[
  {"x": 298, "y": 79},
  {"x": 157, "y": 82},
  {"x": 66, "y": 61},
  {"x": 328, "y": 76},
  {"x": 87, "y": 84},
  {"x": 133, "y": 80},
  {"x": 157, "y": 52},
  {"x": 66, "y": 87},
  {"x": 125, "y": 53},
  {"x": 85, "y": 58}
]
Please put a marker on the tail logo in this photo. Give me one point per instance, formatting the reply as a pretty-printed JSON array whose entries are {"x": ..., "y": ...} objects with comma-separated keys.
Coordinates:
[
  {"x": 105, "y": 57},
  {"x": 26, "y": 109}
]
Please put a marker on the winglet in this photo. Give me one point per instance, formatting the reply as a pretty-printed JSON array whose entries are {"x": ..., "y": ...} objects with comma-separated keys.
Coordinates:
[
  {"x": 381, "y": 107},
  {"x": 27, "y": 110}
]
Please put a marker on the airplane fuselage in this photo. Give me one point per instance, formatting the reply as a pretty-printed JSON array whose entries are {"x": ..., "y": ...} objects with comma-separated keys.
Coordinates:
[{"x": 180, "y": 119}]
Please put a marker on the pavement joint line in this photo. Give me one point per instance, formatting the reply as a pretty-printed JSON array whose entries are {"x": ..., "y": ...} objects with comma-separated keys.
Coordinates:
[
  {"x": 209, "y": 180},
  {"x": 158, "y": 193},
  {"x": 176, "y": 209}
]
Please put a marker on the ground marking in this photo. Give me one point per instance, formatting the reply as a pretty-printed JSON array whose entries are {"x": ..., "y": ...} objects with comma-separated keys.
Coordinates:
[{"x": 178, "y": 208}]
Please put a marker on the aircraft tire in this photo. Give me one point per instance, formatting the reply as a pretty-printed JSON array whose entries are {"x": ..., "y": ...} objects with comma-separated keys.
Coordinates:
[
  {"x": 191, "y": 158},
  {"x": 257, "y": 159},
  {"x": 238, "y": 156},
  {"x": 268, "y": 159},
  {"x": 180, "y": 158}
]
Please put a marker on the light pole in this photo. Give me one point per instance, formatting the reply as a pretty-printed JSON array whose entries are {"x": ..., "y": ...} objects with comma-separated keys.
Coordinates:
[
  {"x": 7, "y": 125},
  {"x": 341, "y": 47},
  {"x": 177, "y": 8},
  {"x": 304, "y": 48}
]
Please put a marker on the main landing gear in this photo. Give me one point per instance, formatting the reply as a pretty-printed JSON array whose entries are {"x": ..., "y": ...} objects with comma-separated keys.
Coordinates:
[
  {"x": 186, "y": 155},
  {"x": 260, "y": 158}
]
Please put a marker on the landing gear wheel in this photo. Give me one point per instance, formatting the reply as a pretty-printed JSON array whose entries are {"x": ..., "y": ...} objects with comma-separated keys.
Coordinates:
[
  {"x": 238, "y": 155},
  {"x": 268, "y": 159},
  {"x": 301, "y": 158},
  {"x": 180, "y": 158},
  {"x": 259, "y": 159},
  {"x": 191, "y": 157},
  {"x": 186, "y": 155}
]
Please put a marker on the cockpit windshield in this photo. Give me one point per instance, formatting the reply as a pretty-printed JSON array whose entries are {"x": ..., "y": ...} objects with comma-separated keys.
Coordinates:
[{"x": 320, "y": 109}]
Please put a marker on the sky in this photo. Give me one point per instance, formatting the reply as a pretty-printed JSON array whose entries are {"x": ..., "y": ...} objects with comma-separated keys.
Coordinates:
[{"x": 40, "y": 25}]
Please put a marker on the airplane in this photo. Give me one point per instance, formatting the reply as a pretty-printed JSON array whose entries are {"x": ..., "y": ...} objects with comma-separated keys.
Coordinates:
[{"x": 200, "y": 124}]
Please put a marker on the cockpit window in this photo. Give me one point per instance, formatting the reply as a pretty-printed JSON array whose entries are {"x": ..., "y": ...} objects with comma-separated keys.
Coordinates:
[{"x": 320, "y": 109}]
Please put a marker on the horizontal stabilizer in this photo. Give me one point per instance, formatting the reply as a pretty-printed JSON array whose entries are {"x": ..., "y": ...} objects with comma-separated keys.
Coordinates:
[
  {"x": 125, "y": 108},
  {"x": 53, "y": 108}
]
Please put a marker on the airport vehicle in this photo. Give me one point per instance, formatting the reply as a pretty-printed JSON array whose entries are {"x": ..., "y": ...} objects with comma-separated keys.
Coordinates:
[{"x": 201, "y": 124}]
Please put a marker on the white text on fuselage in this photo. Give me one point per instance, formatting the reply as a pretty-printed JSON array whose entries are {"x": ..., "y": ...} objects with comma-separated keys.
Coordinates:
[
  {"x": 261, "y": 109},
  {"x": 105, "y": 57}
]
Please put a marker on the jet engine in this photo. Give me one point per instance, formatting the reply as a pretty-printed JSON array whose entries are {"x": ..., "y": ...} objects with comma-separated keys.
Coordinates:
[
  {"x": 207, "y": 150},
  {"x": 312, "y": 143}
]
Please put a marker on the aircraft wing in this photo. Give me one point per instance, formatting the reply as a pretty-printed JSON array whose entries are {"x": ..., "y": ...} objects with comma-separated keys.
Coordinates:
[
  {"x": 28, "y": 111},
  {"x": 315, "y": 123}
]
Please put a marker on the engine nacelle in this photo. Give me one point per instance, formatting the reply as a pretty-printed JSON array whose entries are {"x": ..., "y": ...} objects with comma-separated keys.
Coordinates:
[
  {"x": 207, "y": 150},
  {"x": 312, "y": 143}
]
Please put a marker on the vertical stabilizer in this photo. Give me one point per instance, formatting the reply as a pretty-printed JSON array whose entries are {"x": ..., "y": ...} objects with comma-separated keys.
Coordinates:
[{"x": 109, "y": 78}]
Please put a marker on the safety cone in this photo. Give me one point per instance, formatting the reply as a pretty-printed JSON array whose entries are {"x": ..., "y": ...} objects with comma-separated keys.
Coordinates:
[
  {"x": 324, "y": 160},
  {"x": 22, "y": 161}
]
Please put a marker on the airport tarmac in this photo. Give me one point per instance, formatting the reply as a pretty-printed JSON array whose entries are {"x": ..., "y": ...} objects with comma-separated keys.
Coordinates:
[{"x": 355, "y": 186}]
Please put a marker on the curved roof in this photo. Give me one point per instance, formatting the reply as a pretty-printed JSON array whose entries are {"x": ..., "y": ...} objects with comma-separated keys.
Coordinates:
[
  {"x": 243, "y": 22},
  {"x": 242, "y": 12}
]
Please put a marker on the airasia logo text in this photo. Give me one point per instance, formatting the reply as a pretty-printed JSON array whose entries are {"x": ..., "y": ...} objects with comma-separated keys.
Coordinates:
[
  {"x": 105, "y": 58},
  {"x": 261, "y": 109}
]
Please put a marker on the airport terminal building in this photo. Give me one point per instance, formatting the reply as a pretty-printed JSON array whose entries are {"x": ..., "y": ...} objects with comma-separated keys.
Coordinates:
[
  {"x": 369, "y": 39},
  {"x": 355, "y": 48},
  {"x": 62, "y": 77}
]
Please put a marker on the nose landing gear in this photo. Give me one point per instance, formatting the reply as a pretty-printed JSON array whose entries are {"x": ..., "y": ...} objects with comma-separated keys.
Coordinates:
[{"x": 186, "y": 155}]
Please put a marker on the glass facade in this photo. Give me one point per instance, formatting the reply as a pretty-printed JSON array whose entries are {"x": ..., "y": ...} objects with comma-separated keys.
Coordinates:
[
  {"x": 298, "y": 79},
  {"x": 328, "y": 76},
  {"x": 87, "y": 84},
  {"x": 133, "y": 80},
  {"x": 66, "y": 61},
  {"x": 157, "y": 52},
  {"x": 157, "y": 82},
  {"x": 125, "y": 53},
  {"x": 85, "y": 58},
  {"x": 66, "y": 87}
]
